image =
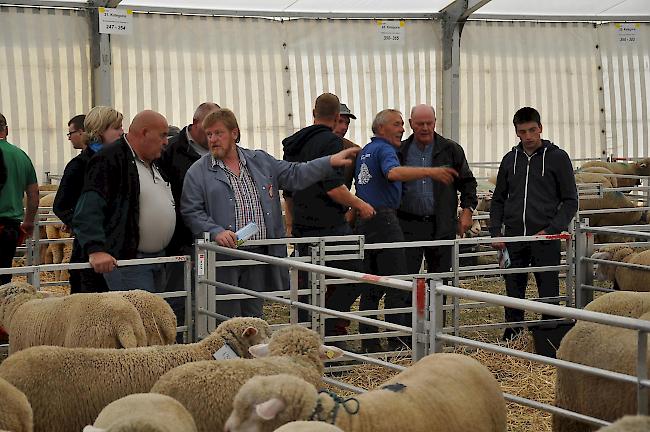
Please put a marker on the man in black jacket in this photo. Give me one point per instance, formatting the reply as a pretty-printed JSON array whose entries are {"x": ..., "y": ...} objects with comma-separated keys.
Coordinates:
[
  {"x": 67, "y": 195},
  {"x": 428, "y": 208},
  {"x": 535, "y": 194},
  {"x": 320, "y": 209}
]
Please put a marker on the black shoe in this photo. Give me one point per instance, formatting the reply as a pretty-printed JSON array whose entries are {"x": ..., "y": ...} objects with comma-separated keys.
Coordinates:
[
  {"x": 370, "y": 346},
  {"x": 511, "y": 333}
]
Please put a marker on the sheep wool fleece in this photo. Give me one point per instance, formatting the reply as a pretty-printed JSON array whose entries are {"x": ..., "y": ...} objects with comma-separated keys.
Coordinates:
[
  {"x": 208, "y": 388},
  {"x": 78, "y": 320},
  {"x": 441, "y": 392},
  {"x": 15, "y": 411},
  {"x": 143, "y": 412},
  {"x": 629, "y": 424},
  {"x": 68, "y": 387},
  {"x": 604, "y": 347}
]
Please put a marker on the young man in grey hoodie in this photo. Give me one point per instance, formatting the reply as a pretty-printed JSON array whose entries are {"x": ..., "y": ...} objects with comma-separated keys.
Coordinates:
[{"x": 535, "y": 194}]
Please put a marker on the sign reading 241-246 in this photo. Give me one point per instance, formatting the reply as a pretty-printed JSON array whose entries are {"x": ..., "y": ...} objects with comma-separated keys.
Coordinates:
[{"x": 115, "y": 21}]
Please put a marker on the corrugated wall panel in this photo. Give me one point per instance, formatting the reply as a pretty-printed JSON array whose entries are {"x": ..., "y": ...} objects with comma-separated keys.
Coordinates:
[
  {"x": 173, "y": 63},
  {"x": 45, "y": 79},
  {"x": 626, "y": 77},
  {"x": 347, "y": 58},
  {"x": 550, "y": 66}
]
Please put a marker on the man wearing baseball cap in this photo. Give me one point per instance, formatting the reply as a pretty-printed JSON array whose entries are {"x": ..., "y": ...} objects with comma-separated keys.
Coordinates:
[{"x": 343, "y": 123}]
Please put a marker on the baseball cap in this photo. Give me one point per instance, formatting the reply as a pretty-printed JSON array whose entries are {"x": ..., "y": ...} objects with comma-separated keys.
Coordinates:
[{"x": 346, "y": 111}]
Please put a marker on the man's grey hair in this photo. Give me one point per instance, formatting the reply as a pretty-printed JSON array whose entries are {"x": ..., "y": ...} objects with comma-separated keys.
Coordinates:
[
  {"x": 381, "y": 118},
  {"x": 204, "y": 109},
  {"x": 428, "y": 106}
]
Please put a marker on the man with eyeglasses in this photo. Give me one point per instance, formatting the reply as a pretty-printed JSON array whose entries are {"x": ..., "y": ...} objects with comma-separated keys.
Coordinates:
[{"x": 76, "y": 132}]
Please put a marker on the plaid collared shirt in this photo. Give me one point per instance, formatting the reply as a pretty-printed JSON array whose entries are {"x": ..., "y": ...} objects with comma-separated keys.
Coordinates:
[{"x": 247, "y": 201}]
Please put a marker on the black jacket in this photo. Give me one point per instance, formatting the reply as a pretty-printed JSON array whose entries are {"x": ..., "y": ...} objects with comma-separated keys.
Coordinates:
[
  {"x": 534, "y": 193},
  {"x": 174, "y": 162},
  {"x": 447, "y": 153},
  {"x": 312, "y": 207},
  {"x": 106, "y": 217},
  {"x": 71, "y": 185}
]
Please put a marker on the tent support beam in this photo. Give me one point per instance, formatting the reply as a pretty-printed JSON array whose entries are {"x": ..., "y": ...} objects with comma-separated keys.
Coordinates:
[
  {"x": 453, "y": 18},
  {"x": 100, "y": 54}
]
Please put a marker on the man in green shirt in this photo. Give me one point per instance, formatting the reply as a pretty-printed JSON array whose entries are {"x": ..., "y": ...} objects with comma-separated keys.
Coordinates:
[{"x": 19, "y": 178}]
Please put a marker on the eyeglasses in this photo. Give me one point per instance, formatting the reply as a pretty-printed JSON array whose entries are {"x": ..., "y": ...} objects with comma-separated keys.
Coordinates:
[{"x": 73, "y": 132}]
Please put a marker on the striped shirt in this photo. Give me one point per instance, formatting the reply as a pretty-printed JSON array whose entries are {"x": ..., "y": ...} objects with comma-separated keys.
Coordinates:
[{"x": 247, "y": 201}]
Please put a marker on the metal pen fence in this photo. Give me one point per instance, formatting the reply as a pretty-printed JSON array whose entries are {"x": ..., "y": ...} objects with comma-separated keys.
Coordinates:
[{"x": 186, "y": 292}]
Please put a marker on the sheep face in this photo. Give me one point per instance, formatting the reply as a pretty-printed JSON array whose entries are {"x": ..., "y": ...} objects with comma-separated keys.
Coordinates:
[
  {"x": 604, "y": 271},
  {"x": 266, "y": 402},
  {"x": 296, "y": 340},
  {"x": 643, "y": 167}
]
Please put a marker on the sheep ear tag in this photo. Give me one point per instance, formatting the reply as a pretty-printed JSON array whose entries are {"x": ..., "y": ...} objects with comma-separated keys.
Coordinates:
[
  {"x": 329, "y": 352},
  {"x": 225, "y": 353},
  {"x": 269, "y": 409},
  {"x": 259, "y": 350}
]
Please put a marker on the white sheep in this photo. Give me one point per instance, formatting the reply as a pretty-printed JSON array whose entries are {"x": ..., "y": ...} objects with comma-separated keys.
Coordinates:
[
  {"x": 441, "y": 392},
  {"x": 53, "y": 253},
  {"x": 143, "y": 412},
  {"x": 611, "y": 200},
  {"x": 15, "y": 412},
  {"x": 308, "y": 426},
  {"x": 604, "y": 347},
  {"x": 157, "y": 316},
  {"x": 613, "y": 181},
  {"x": 208, "y": 388},
  {"x": 68, "y": 387},
  {"x": 626, "y": 279},
  {"x": 629, "y": 424},
  {"x": 77, "y": 320},
  {"x": 641, "y": 168}
]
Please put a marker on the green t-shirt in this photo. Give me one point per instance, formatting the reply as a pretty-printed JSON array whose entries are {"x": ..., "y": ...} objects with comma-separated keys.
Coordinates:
[{"x": 20, "y": 174}]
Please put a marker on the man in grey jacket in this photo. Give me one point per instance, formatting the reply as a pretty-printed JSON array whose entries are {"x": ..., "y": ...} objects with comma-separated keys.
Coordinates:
[{"x": 231, "y": 187}]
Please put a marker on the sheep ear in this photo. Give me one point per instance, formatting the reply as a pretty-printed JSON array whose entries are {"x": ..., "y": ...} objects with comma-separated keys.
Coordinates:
[
  {"x": 259, "y": 350},
  {"x": 329, "y": 352},
  {"x": 269, "y": 409},
  {"x": 249, "y": 332}
]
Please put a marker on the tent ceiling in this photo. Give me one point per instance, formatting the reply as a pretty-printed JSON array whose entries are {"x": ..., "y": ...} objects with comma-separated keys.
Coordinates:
[{"x": 534, "y": 9}]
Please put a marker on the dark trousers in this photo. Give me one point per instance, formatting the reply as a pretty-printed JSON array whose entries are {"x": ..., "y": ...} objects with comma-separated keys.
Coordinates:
[
  {"x": 338, "y": 297},
  {"x": 536, "y": 254},
  {"x": 9, "y": 234},
  {"x": 383, "y": 228},
  {"x": 438, "y": 259},
  {"x": 84, "y": 280}
]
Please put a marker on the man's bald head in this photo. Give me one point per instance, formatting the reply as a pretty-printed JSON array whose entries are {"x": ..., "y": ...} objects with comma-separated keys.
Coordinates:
[
  {"x": 423, "y": 123},
  {"x": 148, "y": 135}
]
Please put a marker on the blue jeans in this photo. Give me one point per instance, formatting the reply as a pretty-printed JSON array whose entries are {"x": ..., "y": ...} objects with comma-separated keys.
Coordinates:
[{"x": 149, "y": 277}]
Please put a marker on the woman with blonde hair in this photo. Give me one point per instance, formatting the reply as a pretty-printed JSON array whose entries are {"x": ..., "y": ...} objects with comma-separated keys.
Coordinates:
[{"x": 102, "y": 126}]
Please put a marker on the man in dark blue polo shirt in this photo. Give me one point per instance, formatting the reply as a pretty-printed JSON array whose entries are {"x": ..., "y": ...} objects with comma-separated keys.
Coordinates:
[{"x": 379, "y": 178}]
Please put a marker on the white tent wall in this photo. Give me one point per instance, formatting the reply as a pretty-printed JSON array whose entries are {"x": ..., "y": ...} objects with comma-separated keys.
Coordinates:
[
  {"x": 45, "y": 79},
  {"x": 550, "y": 66},
  {"x": 626, "y": 76},
  {"x": 348, "y": 58},
  {"x": 172, "y": 63}
]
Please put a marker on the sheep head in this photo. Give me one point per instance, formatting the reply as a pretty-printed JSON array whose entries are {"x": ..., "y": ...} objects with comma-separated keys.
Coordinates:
[
  {"x": 610, "y": 253},
  {"x": 297, "y": 341},
  {"x": 642, "y": 167},
  {"x": 240, "y": 333},
  {"x": 12, "y": 295},
  {"x": 265, "y": 403}
]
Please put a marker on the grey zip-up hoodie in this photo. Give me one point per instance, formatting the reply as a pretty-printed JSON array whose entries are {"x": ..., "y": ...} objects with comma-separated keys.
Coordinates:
[{"x": 534, "y": 193}]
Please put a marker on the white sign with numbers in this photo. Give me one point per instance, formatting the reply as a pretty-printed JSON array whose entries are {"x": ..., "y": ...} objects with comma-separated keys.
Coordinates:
[
  {"x": 627, "y": 33},
  {"x": 115, "y": 21},
  {"x": 391, "y": 31}
]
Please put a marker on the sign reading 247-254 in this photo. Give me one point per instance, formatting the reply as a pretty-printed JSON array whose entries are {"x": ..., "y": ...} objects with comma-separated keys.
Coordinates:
[{"x": 115, "y": 21}]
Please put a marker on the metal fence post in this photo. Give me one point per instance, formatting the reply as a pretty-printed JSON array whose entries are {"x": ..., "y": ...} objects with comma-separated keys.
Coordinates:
[
  {"x": 570, "y": 262},
  {"x": 418, "y": 319},
  {"x": 455, "y": 301},
  {"x": 293, "y": 295},
  {"x": 313, "y": 285},
  {"x": 322, "y": 288},
  {"x": 201, "y": 300},
  {"x": 436, "y": 322},
  {"x": 584, "y": 271},
  {"x": 642, "y": 373},
  {"x": 187, "y": 284}
]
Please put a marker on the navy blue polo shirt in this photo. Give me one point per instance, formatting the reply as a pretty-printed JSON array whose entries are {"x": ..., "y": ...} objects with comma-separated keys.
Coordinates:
[{"x": 374, "y": 162}]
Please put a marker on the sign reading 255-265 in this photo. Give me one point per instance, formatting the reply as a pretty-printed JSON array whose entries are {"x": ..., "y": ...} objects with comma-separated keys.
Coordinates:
[{"x": 115, "y": 21}]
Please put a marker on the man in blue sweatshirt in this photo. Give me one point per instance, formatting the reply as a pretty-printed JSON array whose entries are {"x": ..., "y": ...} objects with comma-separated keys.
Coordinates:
[{"x": 535, "y": 194}]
